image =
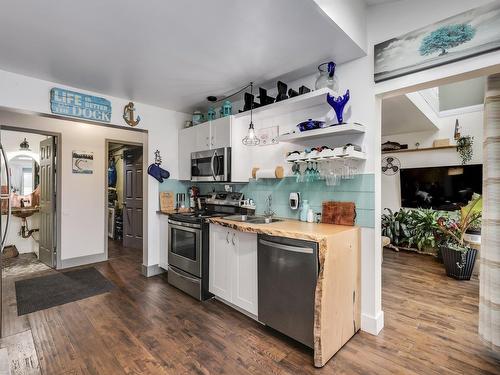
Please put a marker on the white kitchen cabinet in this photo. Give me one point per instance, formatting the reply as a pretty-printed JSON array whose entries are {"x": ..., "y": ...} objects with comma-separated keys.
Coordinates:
[
  {"x": 245, "y": 269},
  {"x": 220, "y": 132},
  {"x": 202, "y": 136},
  {"x": 187, "y": 144},
  {"x": 163, "y": 241},
  {"x": 220, "y": 262},
  {"x": 233, "y": 267}
]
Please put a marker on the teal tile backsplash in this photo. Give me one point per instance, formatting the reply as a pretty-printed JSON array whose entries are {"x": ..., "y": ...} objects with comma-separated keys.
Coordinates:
[{"x": 360, "y": 190}]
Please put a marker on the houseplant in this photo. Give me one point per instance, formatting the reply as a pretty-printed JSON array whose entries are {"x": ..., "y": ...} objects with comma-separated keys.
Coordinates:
[
  {"x": 424, "y": 227},
  {"x": 458, "y": 257},
  {"x": 464, "y": 148},
  {"x": 395, "y": 226}
]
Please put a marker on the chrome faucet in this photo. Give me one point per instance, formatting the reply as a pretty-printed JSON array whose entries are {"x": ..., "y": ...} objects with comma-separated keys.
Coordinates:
[{"x": 269, "y": 211}]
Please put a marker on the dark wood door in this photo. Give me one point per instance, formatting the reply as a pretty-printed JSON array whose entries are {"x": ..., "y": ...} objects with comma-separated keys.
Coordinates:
[
  {"x": 132, "y": 198},
  {"x": 47, "y": 202}
]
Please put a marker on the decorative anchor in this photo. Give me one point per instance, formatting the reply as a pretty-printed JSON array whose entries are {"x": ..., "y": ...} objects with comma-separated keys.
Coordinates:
[
  {"x": 156, "y": 171},
  {"x": 128, "y": 115},
  {"x": 338, "y": 104}
]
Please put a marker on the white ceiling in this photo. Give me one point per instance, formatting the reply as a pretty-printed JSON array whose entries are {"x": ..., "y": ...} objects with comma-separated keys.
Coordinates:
[
  {"x": 400, "y": 116},
  {"x": 462, "y": 94},
  {"x": 168, "y": 53},
  {"x": 378, "y": 2}
]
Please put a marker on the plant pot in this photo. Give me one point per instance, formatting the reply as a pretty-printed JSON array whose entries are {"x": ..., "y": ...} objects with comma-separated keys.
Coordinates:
[{"x": 453, "y": 258}]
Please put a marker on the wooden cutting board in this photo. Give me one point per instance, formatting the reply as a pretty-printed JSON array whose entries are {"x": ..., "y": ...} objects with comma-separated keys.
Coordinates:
[
  {"x": 166, "y": 201},
  {"x": 341, "y": 213}
]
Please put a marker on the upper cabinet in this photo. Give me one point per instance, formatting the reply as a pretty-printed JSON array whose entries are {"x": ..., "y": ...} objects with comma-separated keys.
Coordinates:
[
  {"x": 206, "y": 136},
  {"x": 202, "y": 137},
  {"x": 220, "y": 132}
]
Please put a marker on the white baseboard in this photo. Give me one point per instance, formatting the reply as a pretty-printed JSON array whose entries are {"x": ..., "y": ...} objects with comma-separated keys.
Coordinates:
[
  {"x": 82, "y": 261},
  {"x": 152, "y": 270},
  {"x": 372, "y": 324}
]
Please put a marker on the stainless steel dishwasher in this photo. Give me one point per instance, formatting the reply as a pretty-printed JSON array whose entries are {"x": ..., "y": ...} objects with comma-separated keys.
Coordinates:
[{"x": 287, "y": 275}]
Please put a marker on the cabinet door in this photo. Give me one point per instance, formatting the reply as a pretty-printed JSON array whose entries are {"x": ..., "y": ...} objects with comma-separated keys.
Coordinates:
[
  {"x": 163, "y": 241},
  {"x": 220, "y": 262},
  {"x": 220, "y": 132},
  {"x": 202, "y": 136},
  {"x": 244, "y": 293},
  {"x": 187, "y": 144}
]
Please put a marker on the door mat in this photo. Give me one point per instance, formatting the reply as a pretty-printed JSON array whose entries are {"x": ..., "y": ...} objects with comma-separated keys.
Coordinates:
[{"x": 43, "y": 292}]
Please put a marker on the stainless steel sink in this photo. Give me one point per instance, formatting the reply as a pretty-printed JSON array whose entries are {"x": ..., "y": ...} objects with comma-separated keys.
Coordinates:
[
  {"x": 264, "y": 220},
  {"x": 252, "y": 219},
  {"x": 241, "y": 218}
]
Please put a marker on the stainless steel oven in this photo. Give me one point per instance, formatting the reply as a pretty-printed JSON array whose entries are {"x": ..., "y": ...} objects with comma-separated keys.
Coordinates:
[
  {"x": 211, "y": 165},
  {"x": 185, "y": 246}
]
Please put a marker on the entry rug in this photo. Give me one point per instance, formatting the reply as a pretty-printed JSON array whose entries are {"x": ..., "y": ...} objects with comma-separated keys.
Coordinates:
[{"x": 43, "y": 292}]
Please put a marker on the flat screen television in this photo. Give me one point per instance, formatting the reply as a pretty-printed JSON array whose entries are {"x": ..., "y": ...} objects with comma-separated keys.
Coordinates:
[{"x": 440, "y": 188}]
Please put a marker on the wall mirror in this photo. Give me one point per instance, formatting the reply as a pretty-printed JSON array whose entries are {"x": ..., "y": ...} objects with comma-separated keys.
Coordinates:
[{"x": 25, "y": 174}]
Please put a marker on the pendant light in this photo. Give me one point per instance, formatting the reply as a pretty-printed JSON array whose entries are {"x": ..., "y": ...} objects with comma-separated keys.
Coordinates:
[
  {"x": 24, "y": 146},
  {"x": 251, "y": 139}
]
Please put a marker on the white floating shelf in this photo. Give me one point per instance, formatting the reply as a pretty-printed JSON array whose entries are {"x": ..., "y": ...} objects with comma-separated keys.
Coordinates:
[
  {"x": 337, "y": 154},
  {"x": 296, "y": 103},
  {"x": 344, "y": 129}
]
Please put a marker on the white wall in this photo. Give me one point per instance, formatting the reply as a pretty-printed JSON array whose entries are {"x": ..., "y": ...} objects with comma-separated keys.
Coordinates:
[
  {"x": 471, "y": 124},
  {"x": 83, "y": 206}
]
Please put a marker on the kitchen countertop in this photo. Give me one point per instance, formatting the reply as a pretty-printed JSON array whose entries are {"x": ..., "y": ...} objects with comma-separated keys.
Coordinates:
[
  {"x": 337, "y": 305},
  {"x": 286, "y": 228}
]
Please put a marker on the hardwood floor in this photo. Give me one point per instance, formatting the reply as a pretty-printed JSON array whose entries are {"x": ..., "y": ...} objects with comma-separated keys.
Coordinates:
[{"x": 145, "y": 326}]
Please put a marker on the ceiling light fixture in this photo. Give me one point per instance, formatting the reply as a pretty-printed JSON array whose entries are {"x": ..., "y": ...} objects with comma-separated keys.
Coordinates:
[
  {"x": 251, "y": 138},
  {"x": 24, "y": 145}
]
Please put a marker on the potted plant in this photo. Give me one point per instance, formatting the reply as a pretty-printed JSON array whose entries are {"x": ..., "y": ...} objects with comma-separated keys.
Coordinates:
[
  {"x": 464, "y": 148},
  {"x": 424, "y": 228},
  {"x": 458, "y": 257},
  {"x": 395, "y": 226}
]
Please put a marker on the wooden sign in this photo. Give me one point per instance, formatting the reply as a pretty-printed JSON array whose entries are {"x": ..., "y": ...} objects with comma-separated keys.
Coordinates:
[{"x": 74, "y": 104}]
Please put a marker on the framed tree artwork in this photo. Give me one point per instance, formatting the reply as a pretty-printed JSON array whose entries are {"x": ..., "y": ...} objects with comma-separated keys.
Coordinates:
[{"x": 467, "y": 34}]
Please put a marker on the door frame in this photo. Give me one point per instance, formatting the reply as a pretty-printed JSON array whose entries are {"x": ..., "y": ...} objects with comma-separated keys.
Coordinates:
[
  {"x": 144, "y": 189},
  {"x": 58, "y": 183},
  {"x": 426, "y": 79}
]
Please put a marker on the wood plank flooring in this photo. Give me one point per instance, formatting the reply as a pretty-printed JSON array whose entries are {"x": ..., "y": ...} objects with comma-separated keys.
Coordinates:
[{"x": 145, "y": 326}]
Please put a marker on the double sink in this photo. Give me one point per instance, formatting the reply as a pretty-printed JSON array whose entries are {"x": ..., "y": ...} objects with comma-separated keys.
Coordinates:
[{"x": 252, "y": 219}]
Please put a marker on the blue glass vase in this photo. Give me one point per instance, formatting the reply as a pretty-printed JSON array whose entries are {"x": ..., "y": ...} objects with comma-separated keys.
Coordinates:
[{"x": 338, "y": 104}]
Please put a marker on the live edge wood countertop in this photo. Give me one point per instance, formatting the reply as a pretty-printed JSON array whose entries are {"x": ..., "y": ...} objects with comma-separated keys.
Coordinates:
[{"x": 337, "y": 310}]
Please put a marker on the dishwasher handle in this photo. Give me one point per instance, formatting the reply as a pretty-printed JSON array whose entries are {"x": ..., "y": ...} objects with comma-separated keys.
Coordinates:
[{"x": 295, "y": 249}]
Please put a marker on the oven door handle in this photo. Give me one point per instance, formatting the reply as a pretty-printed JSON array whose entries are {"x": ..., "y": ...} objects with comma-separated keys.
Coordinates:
[
  {"x": 185, "y": 228},
  {"x": 212, "y": 165}
]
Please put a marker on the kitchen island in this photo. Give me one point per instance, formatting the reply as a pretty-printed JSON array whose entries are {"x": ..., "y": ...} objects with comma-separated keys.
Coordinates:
[{"x": 337, "y": 312}]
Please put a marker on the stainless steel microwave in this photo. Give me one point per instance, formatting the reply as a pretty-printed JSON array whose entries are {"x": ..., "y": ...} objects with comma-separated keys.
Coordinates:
[{"x": 211, "y": 165}]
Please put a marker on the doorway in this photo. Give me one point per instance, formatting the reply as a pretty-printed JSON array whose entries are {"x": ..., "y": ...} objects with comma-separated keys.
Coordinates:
[
  {"x": 124, "y": 200},
  {"x": 29, "y": 210},
  {"x": 429, "y": 184},
  {"x": 28, "y": 203}
]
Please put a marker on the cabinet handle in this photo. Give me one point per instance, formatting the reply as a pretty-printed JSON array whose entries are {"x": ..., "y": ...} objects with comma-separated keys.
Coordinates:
[
  {"x": 227, "y": 237},
  {"x": 232, "y": 239}
]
